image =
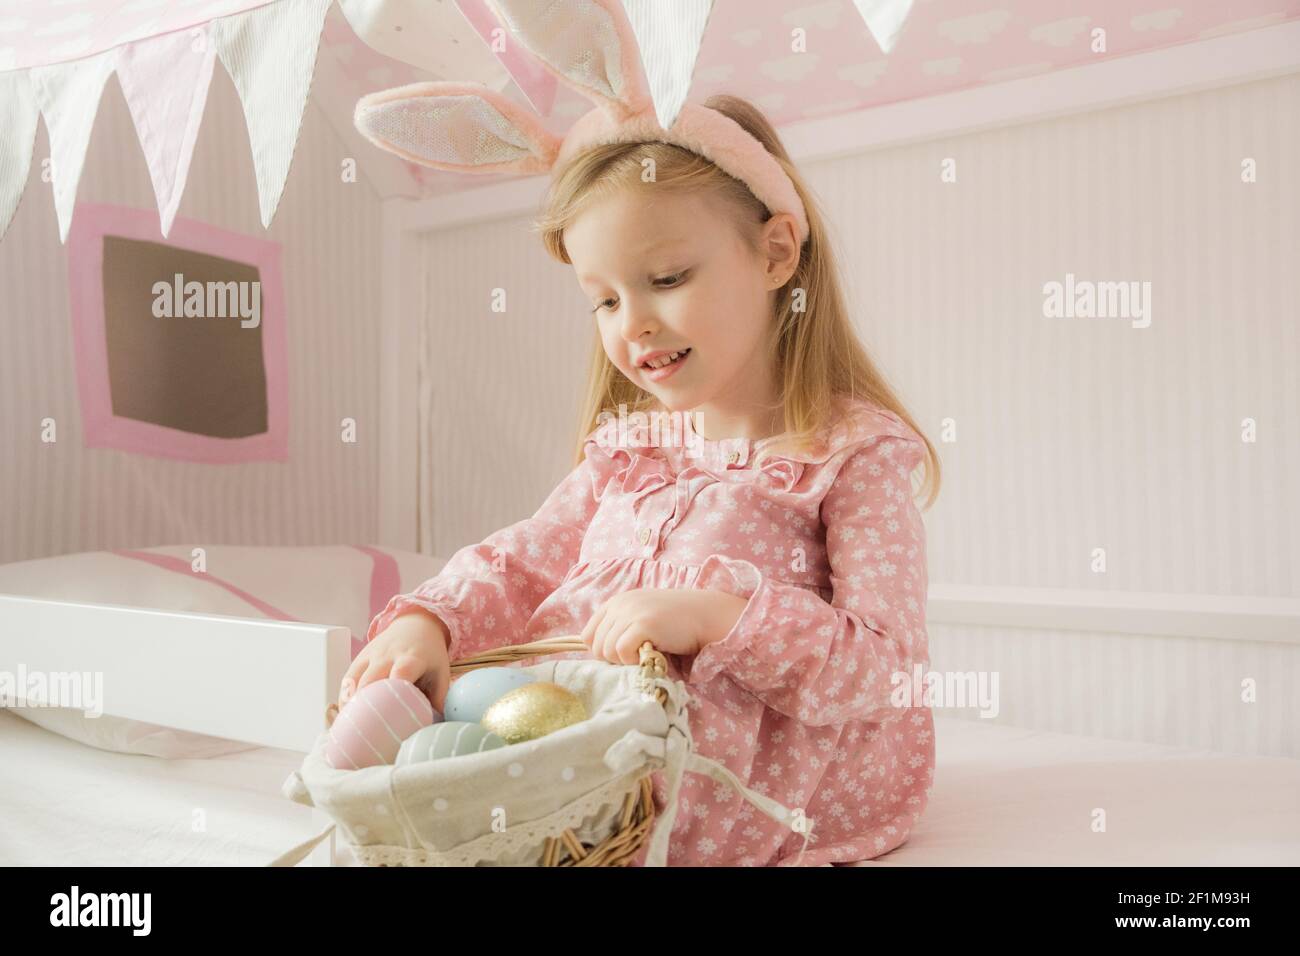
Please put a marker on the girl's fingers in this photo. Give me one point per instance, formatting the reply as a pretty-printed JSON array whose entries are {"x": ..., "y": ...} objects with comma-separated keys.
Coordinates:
[
  {"x": 377, "y": 670},
  {"x": 348, "y": 686},
  {"x": 412, "y": 668},
  {"x": 438, "y": 687},
  {"x": 626, "y": 644},
  {"x": 609, "y": 639},
  {"x": 600, "y": 643},
  {"x": 588, "y": 635},
  {"x": 407, "y": 667}
]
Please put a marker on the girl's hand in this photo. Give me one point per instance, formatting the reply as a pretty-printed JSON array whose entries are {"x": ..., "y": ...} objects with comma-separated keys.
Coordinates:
[
  {"x": 413, "y": 647},
  {"x": 674, "y": 620}
]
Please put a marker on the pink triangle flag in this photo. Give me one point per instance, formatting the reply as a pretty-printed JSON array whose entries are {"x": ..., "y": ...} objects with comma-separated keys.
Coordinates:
[{"x": 165, "y": 82}]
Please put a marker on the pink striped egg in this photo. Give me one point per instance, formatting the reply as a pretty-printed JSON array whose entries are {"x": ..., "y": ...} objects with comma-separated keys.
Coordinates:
[{"x": 370, "y": 728}]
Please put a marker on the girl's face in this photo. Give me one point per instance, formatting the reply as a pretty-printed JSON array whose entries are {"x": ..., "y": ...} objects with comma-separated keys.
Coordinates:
[{"x": 667, "y": 272}]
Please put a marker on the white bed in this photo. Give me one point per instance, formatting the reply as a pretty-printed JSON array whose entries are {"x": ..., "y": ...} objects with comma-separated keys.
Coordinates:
[
  {"x": 1001, "y": 796},
  {"x": 65, "y": 803},
  {"x": 1010, "y": 797},
  {"x": 179, "y": 660}
]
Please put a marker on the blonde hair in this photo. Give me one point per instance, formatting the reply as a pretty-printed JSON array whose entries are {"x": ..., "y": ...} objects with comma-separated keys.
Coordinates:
[{"x": 817, "y": 354}]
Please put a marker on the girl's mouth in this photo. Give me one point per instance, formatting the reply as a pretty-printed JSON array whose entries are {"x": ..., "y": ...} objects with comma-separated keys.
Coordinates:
[{"x": 661, "y": 373}]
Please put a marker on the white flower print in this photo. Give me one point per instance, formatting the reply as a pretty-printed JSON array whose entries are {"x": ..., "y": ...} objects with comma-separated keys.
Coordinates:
[{"x": 795, "y": 701}]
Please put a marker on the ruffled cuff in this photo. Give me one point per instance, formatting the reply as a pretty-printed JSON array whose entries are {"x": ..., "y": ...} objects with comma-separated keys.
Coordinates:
[
  {"x": 741, "y": 578},
  {"x": 401, "y": 604}
]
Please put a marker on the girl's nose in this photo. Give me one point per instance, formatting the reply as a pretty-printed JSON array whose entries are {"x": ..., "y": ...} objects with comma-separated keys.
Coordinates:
[{"x": 637, "y": 320}]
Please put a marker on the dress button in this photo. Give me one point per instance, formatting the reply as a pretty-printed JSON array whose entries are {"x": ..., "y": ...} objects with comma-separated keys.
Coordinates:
[
  {"x": 733, "y": 458},
  {"x": 643, "y": 535}
]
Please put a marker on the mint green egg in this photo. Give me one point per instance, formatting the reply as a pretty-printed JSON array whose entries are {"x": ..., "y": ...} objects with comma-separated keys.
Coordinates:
[{"x": 452, "y": 738}]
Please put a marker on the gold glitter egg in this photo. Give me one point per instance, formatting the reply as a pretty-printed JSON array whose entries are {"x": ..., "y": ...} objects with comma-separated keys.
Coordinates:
[{"x": 533, "y": 711}]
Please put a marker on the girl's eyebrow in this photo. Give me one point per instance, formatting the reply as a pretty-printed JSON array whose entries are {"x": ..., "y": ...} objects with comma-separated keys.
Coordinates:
[
  {"x": 679, "y": 242},
  {"x": 671, "y": 241}
]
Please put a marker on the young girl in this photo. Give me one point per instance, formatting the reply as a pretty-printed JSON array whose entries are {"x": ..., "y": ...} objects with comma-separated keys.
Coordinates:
[{"x": 776, "y": 556}]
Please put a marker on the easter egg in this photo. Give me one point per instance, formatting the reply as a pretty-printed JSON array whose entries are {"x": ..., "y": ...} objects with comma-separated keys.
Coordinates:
[
  {"x": 454, "y": 738},
  {"x": 472, "y": 694},
  {"x": 533, "y": 711},
  {"x": 370, "y": 728}
]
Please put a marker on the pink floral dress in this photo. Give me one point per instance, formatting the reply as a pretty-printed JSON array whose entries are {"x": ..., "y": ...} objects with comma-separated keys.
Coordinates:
[{"x": 827, "y": 547}]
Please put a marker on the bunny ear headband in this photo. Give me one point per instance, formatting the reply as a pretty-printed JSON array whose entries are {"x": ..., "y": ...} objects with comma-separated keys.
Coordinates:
[{"x": 590, "y": 46}]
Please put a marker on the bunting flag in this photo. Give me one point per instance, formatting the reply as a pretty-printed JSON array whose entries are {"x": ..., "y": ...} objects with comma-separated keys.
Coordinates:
[
  {"x": 67, "y": 95},
  {"x": 18, "y": 120},
  {"x": 537, "y": 83},
  {"x": 165, "y": 82},
  {"x": 884, "y": 18},
  {"x": 270, "y": 53},
  {"x": 164, "y": 55},
  {"x": 429, "y": 36},
  {"x": 669, "y": 33}
]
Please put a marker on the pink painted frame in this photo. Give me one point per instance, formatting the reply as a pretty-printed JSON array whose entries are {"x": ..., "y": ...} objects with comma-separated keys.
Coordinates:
[{"x": 103, "y": 429}]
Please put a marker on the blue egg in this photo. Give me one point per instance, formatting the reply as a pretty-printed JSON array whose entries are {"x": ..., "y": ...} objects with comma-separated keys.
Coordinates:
[
  {"x": 448, "y": 739},
  {"x": 472, "y": 694}
]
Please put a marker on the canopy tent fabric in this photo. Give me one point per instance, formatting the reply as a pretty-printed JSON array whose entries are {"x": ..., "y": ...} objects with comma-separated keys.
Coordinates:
[
  {"x": 164, "y": 53},
  {"x": 794, "y": 61}
]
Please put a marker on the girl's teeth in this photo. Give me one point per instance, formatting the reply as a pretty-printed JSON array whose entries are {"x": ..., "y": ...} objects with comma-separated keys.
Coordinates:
[{"x": 665, "y": 360}]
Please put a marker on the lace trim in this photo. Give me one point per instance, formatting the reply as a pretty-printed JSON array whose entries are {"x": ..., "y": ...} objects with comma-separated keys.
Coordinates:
[{"x": 592, "y": 817}]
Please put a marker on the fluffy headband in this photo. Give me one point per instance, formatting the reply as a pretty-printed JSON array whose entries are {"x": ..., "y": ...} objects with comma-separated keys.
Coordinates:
[{"x": 589, "y": 45}]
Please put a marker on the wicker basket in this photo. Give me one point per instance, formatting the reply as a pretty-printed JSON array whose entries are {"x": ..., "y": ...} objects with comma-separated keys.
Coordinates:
[
  {"x": 604, "y": 815},
  {"x": 620, "y": 847}
]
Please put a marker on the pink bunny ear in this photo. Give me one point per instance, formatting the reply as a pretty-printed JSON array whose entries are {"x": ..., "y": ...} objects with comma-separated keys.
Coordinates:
[
  {"x": 464, "y": 127},
  {"x": 588, "y": 44}
]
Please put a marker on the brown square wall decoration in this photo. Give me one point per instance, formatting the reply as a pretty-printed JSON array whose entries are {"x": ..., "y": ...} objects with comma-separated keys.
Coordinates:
[
  {"x": 180, "y": 343},
  {"x": 194, "y": 367}
]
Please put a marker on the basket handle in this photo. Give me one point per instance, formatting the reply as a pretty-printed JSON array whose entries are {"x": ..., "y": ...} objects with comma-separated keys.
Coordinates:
[{"x": 653, "y": 664}]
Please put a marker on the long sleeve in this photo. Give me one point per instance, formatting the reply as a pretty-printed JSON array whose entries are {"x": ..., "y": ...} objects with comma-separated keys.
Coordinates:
[
  {"x": 826, "y": 663},
  {"x": 487, "y": 592}
]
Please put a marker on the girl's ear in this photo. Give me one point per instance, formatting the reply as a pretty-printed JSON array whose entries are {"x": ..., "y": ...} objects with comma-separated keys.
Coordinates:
[
  {"x": 463, "y": 127},
  {"x": 588, "y": 44}
]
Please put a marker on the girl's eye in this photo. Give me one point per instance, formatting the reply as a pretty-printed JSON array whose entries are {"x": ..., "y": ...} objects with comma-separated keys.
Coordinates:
[{"x": 675, "y": 280}]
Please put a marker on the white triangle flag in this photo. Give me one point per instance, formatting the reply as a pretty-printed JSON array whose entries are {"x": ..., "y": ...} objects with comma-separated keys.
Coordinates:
[
  {"x": 884, "y": 18},
  {"x": 18, "y": 119},
  {"x": 165, "y": 82},
  {"x": 669, "y": 33},
  {"x": 270, "y": 53},
  {"x": 68, "y": 97}
]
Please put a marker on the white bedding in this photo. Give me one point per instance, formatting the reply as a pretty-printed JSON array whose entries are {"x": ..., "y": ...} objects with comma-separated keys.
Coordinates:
[
  {"x": 62, "y": 802},
  {"x": 1009, "y": 797},
  {"x": 1001, "y": 796}
]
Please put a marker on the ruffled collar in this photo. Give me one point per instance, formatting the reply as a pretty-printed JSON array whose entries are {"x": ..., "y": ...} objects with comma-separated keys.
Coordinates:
[
  {"x": 854, "y": 422},
  {"x": 648, "y": 465}
]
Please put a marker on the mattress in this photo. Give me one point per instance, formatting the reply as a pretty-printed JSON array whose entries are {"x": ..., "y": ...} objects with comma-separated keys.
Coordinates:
[
  {"x": 1002, "y": 796},
  {"x": 65, "y": 803}
]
